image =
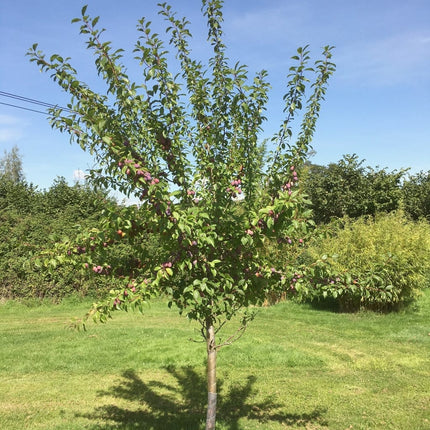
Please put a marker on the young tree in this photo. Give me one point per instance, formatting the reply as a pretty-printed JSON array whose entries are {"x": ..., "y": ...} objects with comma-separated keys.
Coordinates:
[
  {"x": 187, "y": 146},
  {"x": 11, "y": 166}
]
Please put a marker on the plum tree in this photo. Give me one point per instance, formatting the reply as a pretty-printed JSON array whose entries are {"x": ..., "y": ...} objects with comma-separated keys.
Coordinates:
[{"x": 187, "y": 147}]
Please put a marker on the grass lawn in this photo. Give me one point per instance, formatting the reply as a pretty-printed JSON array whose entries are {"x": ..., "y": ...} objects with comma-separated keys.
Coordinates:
[{"x": 296, "y": 367}]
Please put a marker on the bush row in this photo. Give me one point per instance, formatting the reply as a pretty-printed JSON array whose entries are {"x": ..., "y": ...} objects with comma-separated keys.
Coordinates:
[
  {"x": 379, "y": 263},
  {"x": 31, "y": 220},
  {"x": 348, "y": 188}
]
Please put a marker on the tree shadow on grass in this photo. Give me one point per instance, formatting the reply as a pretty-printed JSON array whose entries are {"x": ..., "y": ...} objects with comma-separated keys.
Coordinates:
[{"x": 181, "y": 405}]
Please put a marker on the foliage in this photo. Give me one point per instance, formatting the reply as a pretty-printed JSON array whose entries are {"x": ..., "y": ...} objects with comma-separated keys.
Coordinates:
[
  {"x": 378, "y": 264},
  {"x": 20, "y": 197},
  {"x": 80, "y": 201},
  {"x": 30, "y": 220},
  {"x": 207, "y": 152},
  {"x": 416, "y": 195},
  {"x": 149, "y": 138},
  {"x": 347, "y": 188},
  {"x": 187, "y": 146}
]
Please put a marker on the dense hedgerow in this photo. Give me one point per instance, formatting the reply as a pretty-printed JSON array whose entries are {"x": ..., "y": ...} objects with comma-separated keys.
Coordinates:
[
  {"x": 31, "y": 220},
  {"x": 348, "y": 188},
  {"x": 378, "y": 263},
  {"x": 416, "y": 195}
]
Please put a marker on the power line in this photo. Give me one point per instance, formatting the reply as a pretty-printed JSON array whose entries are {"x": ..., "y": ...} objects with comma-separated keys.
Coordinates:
[
  {"x": 22, "y": 107},
  {"x": 24, "y": 99},
  {"x": 31, "y": 101}
]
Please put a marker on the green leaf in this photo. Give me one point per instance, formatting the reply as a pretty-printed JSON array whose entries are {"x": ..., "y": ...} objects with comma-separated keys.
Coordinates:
[
  {"x": 245, "y": 240},
  {"x": 196, "y": 295},
  {"x": 214, "y": 262}
]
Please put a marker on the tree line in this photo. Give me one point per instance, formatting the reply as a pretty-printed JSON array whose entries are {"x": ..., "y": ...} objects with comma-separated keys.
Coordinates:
[
  {"x": 350, "y": 188},
  {"x": 32, "y": 219}
]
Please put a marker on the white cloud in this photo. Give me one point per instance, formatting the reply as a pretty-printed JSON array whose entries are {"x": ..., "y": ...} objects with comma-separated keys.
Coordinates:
[
  {"x": 79, "y": 175},
  {"x": 10, "y": 128},
  {"x": 10, "y": 135},
  {"x": 384, "y": 46},
  {"x": 269, "y": 24},
  {"x": 267, "y": 35},
  {"x": 8, "y": 120},
  {"x": 397, "y": 59}
]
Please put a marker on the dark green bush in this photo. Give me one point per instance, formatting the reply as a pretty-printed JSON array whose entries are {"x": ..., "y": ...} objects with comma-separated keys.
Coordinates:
[
  {"x": 416, "y": 196},
  {"x": 31, "y": 220},
  {"x": 347, "y": 188}
]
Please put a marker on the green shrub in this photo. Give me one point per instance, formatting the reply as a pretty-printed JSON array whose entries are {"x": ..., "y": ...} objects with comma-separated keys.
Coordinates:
[
  {"x": 378, "y": 263},
  {"x": 32, "y": 220},
  {"x": 416, "y": 195},
  {"x": 348, "y": 188}
]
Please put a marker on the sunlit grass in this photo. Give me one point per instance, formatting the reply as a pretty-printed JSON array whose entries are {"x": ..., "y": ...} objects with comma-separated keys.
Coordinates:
[{"x": 295, "y": 367}]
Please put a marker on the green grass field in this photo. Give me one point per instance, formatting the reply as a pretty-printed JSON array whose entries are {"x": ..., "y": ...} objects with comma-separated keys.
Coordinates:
[{"x": 296, "y": 367}]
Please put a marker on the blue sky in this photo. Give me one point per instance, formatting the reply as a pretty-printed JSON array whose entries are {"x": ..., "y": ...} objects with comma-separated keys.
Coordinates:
[{"x": 377, "y": 104}]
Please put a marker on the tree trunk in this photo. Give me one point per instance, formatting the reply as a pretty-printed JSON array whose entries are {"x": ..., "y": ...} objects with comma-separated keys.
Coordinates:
[{"x": 211, "y": 376}]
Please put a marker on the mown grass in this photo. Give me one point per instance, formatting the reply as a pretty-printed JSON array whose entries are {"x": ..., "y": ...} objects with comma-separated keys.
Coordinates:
[{"x": 296, "y": 367}]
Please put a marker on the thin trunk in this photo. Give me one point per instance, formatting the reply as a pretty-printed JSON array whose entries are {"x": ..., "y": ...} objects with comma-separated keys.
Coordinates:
[{"x": 211, "y": 376}]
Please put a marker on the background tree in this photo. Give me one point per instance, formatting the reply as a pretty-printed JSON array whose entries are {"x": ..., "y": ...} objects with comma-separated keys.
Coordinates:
[
  {"x": 187, "y": 146},
  {"x": 11, "y": 166},
  {"x": 77, "y": 202},
  {"x": 349, "y": 188},
  {"x": 416, "y": 195}
]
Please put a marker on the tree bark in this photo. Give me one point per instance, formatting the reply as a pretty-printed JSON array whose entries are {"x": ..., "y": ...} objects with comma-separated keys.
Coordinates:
[{"x": 211, "y": 376}]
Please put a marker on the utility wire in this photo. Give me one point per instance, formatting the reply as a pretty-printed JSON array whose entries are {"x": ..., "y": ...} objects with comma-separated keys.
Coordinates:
[
  {"x": 31, "y": 101},
  {"x": 22, "y": 107}
]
